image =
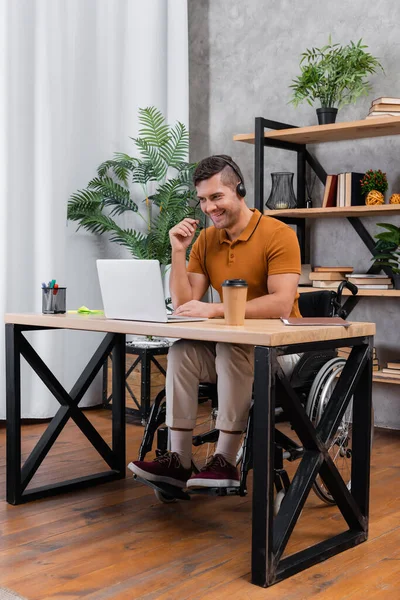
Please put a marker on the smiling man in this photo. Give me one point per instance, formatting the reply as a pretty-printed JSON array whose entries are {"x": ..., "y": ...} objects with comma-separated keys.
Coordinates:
[{"x": 241, "y": 244}]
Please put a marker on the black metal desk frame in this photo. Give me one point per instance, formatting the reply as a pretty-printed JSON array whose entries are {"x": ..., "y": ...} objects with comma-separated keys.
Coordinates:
[
  {"x": 271, "y": 533},
  {"x": 19, "y": 477}
]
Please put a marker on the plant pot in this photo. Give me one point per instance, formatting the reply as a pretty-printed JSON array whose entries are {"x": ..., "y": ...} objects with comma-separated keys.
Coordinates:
[
  {"x": 326, "y": 115},
  {"x": 396, "y": 281}
]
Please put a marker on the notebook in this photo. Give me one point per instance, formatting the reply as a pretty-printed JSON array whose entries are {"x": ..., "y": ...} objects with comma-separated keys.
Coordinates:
[
  {"x": 132, "y": 290},
  {"x": 325, "y": 321}
]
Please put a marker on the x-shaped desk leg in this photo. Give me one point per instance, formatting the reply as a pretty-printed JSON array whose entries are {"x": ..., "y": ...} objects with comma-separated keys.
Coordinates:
[
  {"x": 19, "y": 477},
  {"x": 271, "y": 534}
]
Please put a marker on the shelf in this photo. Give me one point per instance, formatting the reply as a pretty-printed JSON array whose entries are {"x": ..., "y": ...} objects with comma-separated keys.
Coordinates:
[
  {"x": 346, "y": 292},
  {"x": 335, "y": 132},
  {"x": 385, "y": 379},
  {"x": 336, "y": 211}
]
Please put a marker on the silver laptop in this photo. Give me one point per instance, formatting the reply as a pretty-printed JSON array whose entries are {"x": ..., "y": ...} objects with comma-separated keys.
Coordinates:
[{"x": 132, "y": 290}]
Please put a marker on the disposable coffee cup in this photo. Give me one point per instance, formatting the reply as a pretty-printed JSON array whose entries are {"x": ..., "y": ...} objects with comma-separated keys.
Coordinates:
[{"x": 234, "y": 295}]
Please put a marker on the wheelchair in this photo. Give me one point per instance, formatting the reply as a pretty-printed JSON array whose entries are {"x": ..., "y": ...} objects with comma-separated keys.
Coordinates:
[{"x": 313, "y": 379}]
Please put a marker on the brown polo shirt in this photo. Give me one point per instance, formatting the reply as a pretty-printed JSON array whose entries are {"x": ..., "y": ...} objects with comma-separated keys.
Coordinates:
[{"x": 265, "y": 247}]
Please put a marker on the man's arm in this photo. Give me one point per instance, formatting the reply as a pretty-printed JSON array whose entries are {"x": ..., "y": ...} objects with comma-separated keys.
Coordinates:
[
  {"x": 184, "y": 286},
  {"x": 277, "y": 303}
]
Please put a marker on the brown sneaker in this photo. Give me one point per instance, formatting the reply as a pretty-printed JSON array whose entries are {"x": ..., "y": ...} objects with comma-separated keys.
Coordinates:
[
  {"x": 165, "y": 468},
  {"x": 216, "y": 473}
]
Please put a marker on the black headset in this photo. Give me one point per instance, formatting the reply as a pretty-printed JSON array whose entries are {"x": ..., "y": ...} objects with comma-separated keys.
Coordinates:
[{"x": 240, "y": 188}]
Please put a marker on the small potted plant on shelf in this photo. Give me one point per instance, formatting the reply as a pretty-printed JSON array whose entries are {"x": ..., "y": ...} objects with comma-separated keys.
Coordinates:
[
  {"x": 373, "y": 185},
  {"x": 334, "y": 75},
  {"x": 387, "y": 250}
]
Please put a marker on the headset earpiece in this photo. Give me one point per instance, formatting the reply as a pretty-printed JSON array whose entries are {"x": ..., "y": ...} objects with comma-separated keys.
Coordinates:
[{"x": 241, "y": 190}]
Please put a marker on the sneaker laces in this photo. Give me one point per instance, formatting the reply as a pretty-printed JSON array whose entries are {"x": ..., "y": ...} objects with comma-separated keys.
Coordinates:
[
  {"x": 214, "y": 463},
  {"x": 167, "y": 458}
]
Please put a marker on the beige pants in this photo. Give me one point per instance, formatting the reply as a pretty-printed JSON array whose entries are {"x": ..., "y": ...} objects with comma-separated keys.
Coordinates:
[{"x": 230, "y": 365}]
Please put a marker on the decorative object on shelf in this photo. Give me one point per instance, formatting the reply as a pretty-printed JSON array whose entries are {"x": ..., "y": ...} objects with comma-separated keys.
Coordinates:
[
  {"x": 374, "y": 197},
  {"x": 335, "y": 75},
  {"x": 387, "y": 250},
  {"x": 166, "y": 190},
  {"x": 282, "y": 192},
  {"x": 374, "y": 184},
  {"x": 394, "y": 199}
]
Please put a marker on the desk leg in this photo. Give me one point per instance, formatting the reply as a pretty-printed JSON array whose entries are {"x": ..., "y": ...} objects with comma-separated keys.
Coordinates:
[
  {"x": 13, "y": 395},
  {"x": 118, "y": 404},
  {"x": 361, "y": 457},
  {"x": 263, "y": 464}
]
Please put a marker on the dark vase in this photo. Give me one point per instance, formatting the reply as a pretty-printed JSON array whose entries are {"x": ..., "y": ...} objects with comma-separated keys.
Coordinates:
[
  {"x": 396, "y": 281},
  {"x": 282, "y": 192},
  {"x": 326, "y": 115}
]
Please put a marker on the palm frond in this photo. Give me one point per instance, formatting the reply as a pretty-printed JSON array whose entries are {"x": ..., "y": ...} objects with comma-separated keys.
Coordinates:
[
  {"x": 113, "y": 194},
  {"x": 98, "y": 223},
  {"x": 121, "y": 166},
  {"x": 84, "y": 202},
  {"x": 175, "y": 151},
  {"x": 154, "y": 130},
  {"x": 152, "y": 155},
  {"x": 135, "y": 241}
]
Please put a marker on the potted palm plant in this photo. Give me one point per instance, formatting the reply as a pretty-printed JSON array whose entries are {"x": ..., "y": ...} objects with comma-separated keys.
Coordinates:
[
  {"x": 387, "y": 250},
  {"x": 334, "y": 75},
  {"x": 163, "y": 194}
]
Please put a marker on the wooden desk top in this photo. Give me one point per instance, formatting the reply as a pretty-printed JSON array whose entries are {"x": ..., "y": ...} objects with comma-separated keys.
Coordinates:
[{"x": 262, "y": 332}]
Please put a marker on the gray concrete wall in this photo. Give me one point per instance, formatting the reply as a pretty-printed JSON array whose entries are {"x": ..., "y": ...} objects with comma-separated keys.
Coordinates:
[{"x": 243, "y": 56}]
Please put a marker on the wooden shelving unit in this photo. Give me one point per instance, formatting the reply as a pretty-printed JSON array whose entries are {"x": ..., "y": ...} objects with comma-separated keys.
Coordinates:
[
  {"x": 346, "y": 292},
  {"x": 337, "y": 211},
  {"x": 273, "y": 134},
  {"x": 335, "y": 132}
]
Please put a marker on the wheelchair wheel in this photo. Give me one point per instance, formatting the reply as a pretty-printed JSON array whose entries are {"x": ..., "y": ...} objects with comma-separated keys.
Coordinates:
[
  {"x": 164, "y": 498},
  {"x": 340, "y": 446}
]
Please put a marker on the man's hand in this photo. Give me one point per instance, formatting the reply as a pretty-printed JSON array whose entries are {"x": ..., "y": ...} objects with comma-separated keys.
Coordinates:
[
  {"x": 195, "y": 308},
  {"x": 181, "y": 236}
]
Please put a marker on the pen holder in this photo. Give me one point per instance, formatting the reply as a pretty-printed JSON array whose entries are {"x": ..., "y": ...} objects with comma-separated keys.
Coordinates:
[{"x": 54, "y": 300}]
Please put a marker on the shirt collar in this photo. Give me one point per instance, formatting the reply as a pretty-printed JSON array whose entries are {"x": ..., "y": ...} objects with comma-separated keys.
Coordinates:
[{"x": 247, "y": 231}]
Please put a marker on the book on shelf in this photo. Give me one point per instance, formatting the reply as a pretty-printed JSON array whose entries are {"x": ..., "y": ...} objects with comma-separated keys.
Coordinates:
[
  {"x": 391, "y": 372},
  {"x": 328, "y": 276},
  {"x": 373, "y": 114},
  {"x": 340, "y": 269},
  {"x": 385, "y": 100},
  {"x": 341, "y": 187},
  {"x": 367, "y": 281},
  {"x": 385, "y": 107},
  {"x": 371, "y": 286},
  {"x": 326, "y": 284},
  {"x": 394, "y": 365},
  {"x": 352, "y": 194},
  {"x": 329, "y": 198},
  {"x": 348, "y": 349},
  {"x": 367, "y": 276}
]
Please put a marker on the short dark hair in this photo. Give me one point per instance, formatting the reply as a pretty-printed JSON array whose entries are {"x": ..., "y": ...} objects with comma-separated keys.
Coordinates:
[{"x": 210, "y": 166}]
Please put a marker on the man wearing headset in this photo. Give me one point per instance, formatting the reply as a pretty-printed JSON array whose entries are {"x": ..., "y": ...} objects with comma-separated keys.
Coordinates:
[{"x": 241, "y": 244}]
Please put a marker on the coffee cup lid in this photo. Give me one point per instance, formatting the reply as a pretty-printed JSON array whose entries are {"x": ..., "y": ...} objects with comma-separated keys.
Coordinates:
[{"x": 234, "y": 283}]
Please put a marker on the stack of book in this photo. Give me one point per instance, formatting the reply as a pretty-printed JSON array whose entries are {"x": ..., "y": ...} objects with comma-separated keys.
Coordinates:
[
  {"x": 343, "y": 189},
  {"x": 384, "y": 107},
  {"x": 392, "y": 371},
  {"x": 329, "y": 277},
  {"x": 366, "y": 281},
  {"x": 344, "y": 353}
]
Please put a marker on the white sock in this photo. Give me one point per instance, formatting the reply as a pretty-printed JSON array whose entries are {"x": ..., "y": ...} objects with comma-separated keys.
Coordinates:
[
  {"x": 181, "y": 443},
  {"x": 228, "y": 445}
]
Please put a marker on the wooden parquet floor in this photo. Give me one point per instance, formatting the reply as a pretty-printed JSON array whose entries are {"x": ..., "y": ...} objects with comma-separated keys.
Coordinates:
[{"x": 116, "y": 541}]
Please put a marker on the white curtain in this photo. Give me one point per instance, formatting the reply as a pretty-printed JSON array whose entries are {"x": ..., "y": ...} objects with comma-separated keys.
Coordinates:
[{"x": 73, "y": 74}]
